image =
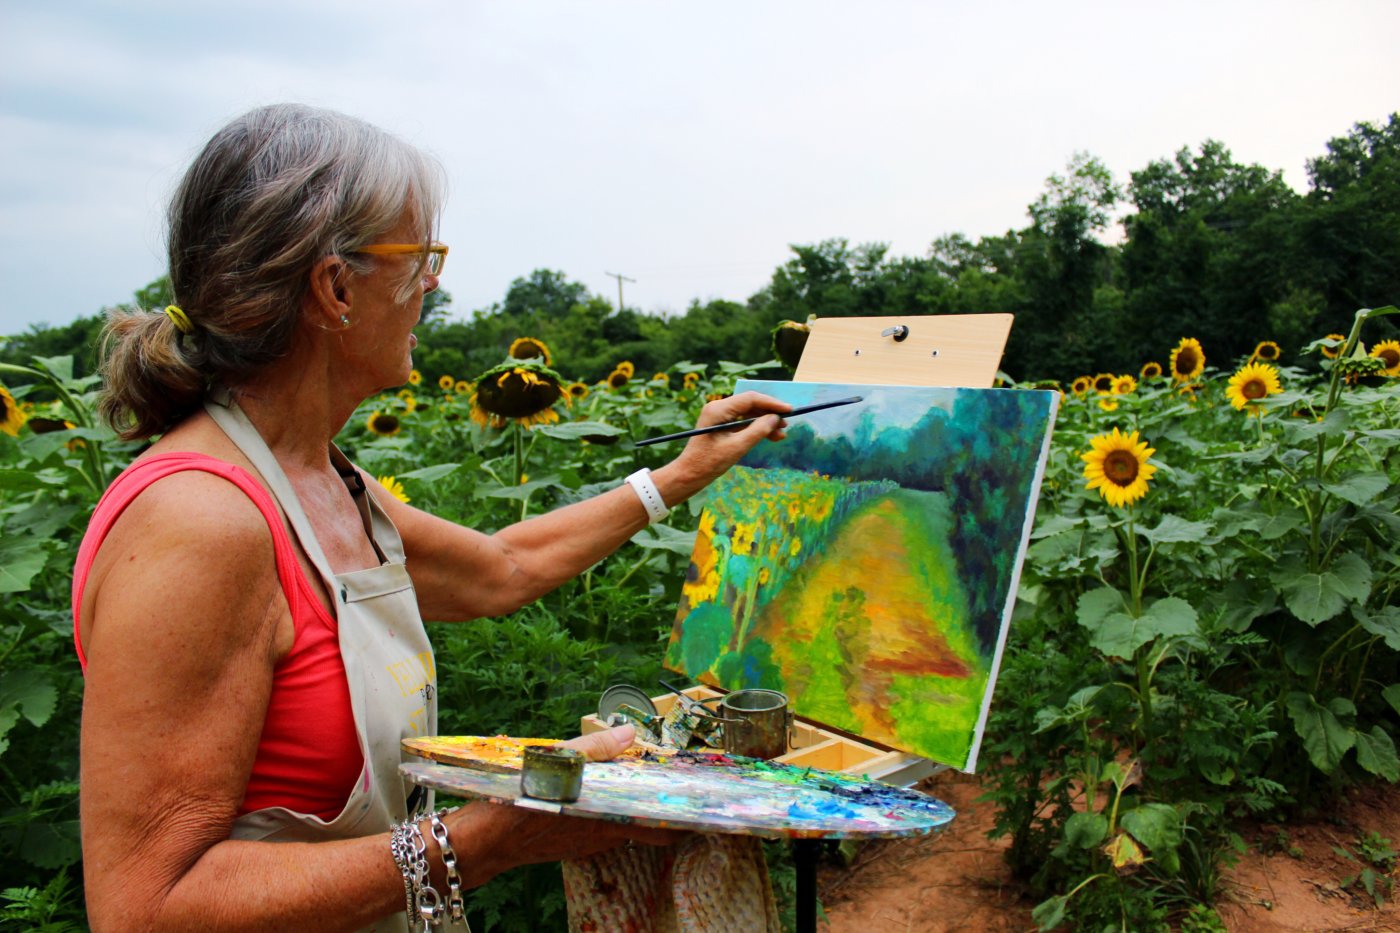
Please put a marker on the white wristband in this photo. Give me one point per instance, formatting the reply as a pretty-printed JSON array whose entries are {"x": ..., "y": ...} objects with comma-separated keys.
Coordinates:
[{"x": 646, "y": 490}]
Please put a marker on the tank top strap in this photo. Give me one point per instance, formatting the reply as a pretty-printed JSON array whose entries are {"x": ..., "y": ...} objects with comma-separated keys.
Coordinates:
[{"x": 137, "y": 478}]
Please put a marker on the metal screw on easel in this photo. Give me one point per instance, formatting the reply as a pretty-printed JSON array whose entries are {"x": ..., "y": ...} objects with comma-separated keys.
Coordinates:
[{"x": 898, "y": 332}]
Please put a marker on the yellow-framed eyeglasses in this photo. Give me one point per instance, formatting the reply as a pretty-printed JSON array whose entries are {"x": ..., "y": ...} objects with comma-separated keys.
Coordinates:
[{"x": 437, "y": 253}]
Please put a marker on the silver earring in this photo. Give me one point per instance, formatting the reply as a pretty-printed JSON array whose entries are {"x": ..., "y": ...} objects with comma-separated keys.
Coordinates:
[{"x": 345, "y": 320}]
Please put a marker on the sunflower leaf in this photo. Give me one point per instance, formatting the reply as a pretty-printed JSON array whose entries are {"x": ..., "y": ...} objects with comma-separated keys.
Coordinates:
[
  {"x": 1085, "y": 830},
  {"x": 1324, "y": 735},
  {"x": 1119, "y": 635},
  {"x": 1392, "y": 696},
  {"x": 1125, "y": 854},
  {"x": 1360, "y": 488},
  {"x": 1353, "y": 576},
  {"x": 666, "y": 538},
  {"x": 1173, "y": 528},
  {"x": 1375, "y": 751},
  {"x": 1384, "y": 624},
  {"x": 573, "y": 430},
  {"x": 21, "y": 559},
  {"x": 1096, "y": 605},
  {"x": 1311, "y": 597},
  {"x": 1156, "y": 825},
  {"x": 428, "y": 474},
  {"x": 29, "y": 480},
  {"x": 1368, "y": 313},
  {"x": 1284, "y": 522}
]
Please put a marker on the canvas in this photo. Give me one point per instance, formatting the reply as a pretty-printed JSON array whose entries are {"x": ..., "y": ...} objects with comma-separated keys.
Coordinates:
[{"x": 866, "y": 566}]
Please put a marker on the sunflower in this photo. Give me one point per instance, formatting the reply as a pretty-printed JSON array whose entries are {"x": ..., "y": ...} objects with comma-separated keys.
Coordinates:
[
  {"x": 1333, "y": 352},
  {"x": 49, "y": 425},
  {"x": 1117, "y": 467},
  {"x": 1108, "y": 403},
  {"x": 445, "y": 383},
  {"x": 626, "y": 367},
  {"x": 617, "y": 378},
  {"x": 1268, "y": 351},
  {"x": 662, "y": 378},
  {"x": 1152, "y": 370},
  {"x": 577, "y": 390},
  {"x": 1388, "y": 352},
  {"x": 1188, "y": 360},
  {"x": 524, "y": 392},
  {"x": 716, "y": 396},
  {"x": 690, "y": 380},
  {"x": 395, "y": 488},
  {"x": 415, "y": 378},
  {"x": 12, "y": 417},
  {"x": 1252, "y": 382},
  {"x": 383, "y": 424},
  {"x": 1103, "y": 382},
  {"x": 410, "y": 403},
  {"x": 462, "y": 387},
  {"x": 1082, "y": 385},
  {"x": 528, "y": 348},
  {"x": 1124, "y": 385}
]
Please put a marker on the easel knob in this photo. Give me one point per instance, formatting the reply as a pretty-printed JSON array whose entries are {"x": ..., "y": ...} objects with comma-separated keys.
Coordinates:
[{"x": 898, "y": 332}]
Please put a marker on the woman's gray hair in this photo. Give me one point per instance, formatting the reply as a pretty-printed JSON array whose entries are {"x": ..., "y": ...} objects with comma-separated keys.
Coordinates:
[{"x": 271, "y": 194}]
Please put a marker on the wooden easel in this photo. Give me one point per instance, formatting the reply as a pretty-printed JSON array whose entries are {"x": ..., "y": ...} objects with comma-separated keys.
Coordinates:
[{"x": 957, "y": 350}]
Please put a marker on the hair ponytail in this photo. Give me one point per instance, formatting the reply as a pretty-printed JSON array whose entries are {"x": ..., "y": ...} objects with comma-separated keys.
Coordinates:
[{"x": 149, "y": 383}]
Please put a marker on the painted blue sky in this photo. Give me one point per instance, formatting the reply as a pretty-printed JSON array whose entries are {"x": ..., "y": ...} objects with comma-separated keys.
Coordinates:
[
  {"x": 891, "y": 406},
  {"x": 683, "y": 145}
]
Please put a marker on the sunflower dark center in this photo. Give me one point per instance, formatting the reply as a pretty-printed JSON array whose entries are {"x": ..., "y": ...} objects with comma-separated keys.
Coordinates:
[
  {"x": 1186, "y": 361},
  {"x": 1267, "y": 352},
  {"x": 1254, "y": 388},
  {"x": 1390, "y": 357},
  {"x": 385, "y": 423},
  {"x": 1103, "y": 383},
  {"x": 1121, "y": 467}
]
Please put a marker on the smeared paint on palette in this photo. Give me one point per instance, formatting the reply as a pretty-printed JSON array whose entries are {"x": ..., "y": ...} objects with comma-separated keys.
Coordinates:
[
  {"x": 694, "y": 791},
  {"x": 501, "y": 754}
]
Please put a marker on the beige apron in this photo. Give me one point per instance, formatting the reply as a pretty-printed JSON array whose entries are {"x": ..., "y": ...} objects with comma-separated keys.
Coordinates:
[{"x": 388, "y": 661}]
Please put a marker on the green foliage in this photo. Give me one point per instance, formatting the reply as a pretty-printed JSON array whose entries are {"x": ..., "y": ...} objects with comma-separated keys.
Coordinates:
[
  {"x": 1375, "y": 861},
  {"x": 1236, "y": 649}
]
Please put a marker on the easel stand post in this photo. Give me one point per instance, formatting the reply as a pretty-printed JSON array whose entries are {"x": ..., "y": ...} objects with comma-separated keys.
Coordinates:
[
  {"x": 960, "y": 350},
  {"x": 804, "y": 857}
]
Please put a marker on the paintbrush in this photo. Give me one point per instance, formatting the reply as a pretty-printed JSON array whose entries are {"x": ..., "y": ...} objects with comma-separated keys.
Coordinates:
[{"x": 730, "y": 425}]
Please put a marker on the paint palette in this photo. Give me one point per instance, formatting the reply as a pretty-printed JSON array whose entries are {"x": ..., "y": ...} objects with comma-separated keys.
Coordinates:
[{"x": 697, "y": 791}]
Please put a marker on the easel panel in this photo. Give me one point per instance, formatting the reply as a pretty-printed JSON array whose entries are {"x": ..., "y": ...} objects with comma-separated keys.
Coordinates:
[{"x": 961, "y": 350}]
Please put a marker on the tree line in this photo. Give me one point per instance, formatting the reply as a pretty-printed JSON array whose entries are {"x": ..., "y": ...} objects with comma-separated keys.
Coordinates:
[{"x": 1211, "y": 248}]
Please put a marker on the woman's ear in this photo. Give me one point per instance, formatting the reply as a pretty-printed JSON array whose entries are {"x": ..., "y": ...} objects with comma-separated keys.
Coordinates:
[{"x": 329, "y": 298}]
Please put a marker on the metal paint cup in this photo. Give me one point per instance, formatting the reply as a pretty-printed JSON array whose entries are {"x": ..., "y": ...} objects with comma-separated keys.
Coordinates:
[
  {"x": 552, "y": 772},
  {"x": 756, "y": 723}
]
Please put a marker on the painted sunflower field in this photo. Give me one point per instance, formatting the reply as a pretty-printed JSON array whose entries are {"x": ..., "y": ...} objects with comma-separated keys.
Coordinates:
[{"x": 1206, "y": 630}]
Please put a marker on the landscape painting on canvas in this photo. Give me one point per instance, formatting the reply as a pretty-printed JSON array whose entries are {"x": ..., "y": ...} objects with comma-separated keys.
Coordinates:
[{"x": 866, "y": 565}]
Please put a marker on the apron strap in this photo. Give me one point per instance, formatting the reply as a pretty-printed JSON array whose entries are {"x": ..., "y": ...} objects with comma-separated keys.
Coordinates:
[{"x": 228, "y": 416}]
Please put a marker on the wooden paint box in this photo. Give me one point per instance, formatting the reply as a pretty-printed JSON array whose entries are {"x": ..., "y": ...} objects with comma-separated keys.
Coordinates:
[{"x": 815, "y": 746}]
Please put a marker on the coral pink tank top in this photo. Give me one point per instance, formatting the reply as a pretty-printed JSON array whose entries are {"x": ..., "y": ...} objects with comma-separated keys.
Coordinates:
[{"x": 309, "y": 756}]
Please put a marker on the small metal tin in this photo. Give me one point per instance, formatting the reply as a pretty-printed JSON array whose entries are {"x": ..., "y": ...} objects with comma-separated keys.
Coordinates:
[
  {"x": 552, "y": 772},
  {"x": 756, "y": 723},
  {"x": 624, "y": 695}
]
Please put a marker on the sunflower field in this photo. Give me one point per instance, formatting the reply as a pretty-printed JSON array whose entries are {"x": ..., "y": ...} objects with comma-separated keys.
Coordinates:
[{"x": 1207, "y": 627}]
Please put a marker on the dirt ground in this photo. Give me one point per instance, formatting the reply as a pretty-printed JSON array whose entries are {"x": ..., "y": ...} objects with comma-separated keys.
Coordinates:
[{"x": 1288, "y": 882}]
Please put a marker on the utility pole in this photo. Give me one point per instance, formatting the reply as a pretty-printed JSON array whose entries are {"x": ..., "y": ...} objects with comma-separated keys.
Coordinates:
[{"x": 620, "y": 280}]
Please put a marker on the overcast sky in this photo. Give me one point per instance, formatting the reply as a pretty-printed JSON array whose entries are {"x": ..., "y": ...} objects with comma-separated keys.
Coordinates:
[{"x": 682, "y": 145}]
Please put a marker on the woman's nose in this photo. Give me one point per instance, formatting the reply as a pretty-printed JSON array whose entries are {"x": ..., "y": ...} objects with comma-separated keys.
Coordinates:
[{"x": 430, "y": 283}]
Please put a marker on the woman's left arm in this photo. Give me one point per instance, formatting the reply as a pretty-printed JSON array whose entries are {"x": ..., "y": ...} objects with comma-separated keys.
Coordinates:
[{"x": 463, "y": 574}]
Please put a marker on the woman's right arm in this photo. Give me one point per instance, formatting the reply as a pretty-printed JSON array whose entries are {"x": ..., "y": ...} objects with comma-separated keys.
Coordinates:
[{"x": 187, "y": 623}]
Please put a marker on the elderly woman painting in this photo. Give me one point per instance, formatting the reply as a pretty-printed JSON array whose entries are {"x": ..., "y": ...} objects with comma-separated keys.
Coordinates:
[{"x": 248, "y": 609}]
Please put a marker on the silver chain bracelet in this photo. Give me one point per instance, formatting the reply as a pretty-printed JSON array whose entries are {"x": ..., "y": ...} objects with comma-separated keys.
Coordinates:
[
  {"x": 422, "y": 902},
  {"x": 456, "y": 907}
]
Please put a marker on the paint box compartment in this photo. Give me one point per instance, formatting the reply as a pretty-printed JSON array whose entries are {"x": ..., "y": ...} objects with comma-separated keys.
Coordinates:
[{"x": 816, "y": 746}]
